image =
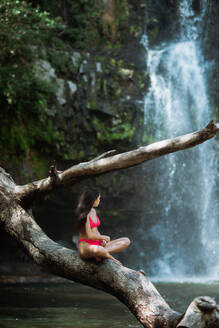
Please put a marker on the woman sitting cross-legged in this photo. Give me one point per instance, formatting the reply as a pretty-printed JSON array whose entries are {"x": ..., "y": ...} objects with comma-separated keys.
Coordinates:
[{"x": 91, "y": 244}]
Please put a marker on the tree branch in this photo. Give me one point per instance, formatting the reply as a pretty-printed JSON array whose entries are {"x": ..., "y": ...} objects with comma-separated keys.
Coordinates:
[
  {"x": 27, "y": 193},
  {"x": 129, "y": 286}
]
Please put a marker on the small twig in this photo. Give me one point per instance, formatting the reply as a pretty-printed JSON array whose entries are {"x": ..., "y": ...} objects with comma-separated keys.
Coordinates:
[
  {"x": 104, "y": 155},
  {"x": 54, "y": 173}
]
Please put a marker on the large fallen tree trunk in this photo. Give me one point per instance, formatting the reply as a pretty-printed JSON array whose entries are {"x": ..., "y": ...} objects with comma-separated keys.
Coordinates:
[{"x": 129, "y": 286}]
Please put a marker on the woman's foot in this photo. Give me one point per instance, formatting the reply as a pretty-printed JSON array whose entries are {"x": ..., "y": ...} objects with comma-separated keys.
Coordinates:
[{"x": 116, "y": 261}]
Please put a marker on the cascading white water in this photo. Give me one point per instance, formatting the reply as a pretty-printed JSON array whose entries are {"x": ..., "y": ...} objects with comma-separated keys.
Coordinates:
[{"x": 180, "y": 187}]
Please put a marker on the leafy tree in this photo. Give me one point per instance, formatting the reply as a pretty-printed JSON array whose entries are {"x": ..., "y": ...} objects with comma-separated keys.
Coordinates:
[{"x": 24, "y": 98}]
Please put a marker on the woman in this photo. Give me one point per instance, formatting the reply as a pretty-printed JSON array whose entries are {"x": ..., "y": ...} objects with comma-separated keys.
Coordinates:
[{"x": 91, "y": 243}]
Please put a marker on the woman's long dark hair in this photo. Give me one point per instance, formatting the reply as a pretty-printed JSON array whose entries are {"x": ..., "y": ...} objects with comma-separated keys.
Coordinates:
[{"x": 85, "y": 203}]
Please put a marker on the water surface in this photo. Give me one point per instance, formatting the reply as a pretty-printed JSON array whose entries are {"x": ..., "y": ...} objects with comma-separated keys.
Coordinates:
[{"x": 77, "y": 306}]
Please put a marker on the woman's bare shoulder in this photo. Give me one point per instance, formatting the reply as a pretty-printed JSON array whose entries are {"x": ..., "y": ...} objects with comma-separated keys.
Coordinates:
[
  {"x": 92, "y": 211},
  {"x": 92, "y": 214}
]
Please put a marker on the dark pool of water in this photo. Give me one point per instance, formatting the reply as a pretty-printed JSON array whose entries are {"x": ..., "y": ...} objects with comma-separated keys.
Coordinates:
[{"x": 76, "y": 306}]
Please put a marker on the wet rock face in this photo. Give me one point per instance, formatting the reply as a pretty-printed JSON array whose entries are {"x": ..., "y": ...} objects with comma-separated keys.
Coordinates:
[
  {"x": 97, "y": 102},
  {"x": 162, "y": 20},
  {"x": 46, "y": 72}
]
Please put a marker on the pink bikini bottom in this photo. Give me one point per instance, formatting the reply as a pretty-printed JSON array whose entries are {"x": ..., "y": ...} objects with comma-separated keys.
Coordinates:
[{"x": 90, "y": 241}]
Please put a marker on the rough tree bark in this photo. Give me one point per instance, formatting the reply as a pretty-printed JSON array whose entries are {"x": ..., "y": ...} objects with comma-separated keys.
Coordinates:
[{"x": 129, "y": 286}]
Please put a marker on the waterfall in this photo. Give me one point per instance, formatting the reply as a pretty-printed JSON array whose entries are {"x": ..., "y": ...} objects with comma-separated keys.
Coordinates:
[{"x": 180, "y": 188}]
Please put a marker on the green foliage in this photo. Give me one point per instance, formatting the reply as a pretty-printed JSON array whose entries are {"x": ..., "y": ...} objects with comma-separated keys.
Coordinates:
[
  {"x": 84, "y": 23},
  {"x": 122, "y": 13},
  {"x": 22, "y": 24},
  {"x": 82, "y": 19},
  {"x": 122, "y": 131},
  {"x": 25, "y": 100}
]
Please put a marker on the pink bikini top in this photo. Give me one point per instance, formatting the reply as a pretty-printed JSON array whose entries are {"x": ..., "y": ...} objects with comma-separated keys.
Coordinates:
[{"x": 93, "y": 224}]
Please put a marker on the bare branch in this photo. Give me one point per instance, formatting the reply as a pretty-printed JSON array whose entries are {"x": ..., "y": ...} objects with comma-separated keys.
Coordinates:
[{"x": 100, "y": 166}]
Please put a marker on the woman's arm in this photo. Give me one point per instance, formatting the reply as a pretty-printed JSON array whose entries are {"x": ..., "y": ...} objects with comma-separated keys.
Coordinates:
[{"x": 94, "y": 233}]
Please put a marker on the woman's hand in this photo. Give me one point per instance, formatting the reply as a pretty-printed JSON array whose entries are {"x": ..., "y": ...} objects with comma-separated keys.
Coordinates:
[
  {"x": 103, "y": 243},
  {"x": 106, "y": 238}
]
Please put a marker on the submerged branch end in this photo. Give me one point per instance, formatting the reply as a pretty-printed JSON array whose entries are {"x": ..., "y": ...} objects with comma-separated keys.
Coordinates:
[{"x": 206, "y": 304}]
